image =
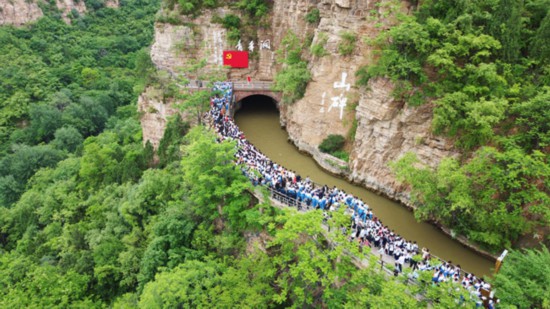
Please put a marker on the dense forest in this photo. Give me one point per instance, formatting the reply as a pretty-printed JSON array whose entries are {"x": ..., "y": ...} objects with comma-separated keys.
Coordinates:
[{"x": 89, "y": 219}]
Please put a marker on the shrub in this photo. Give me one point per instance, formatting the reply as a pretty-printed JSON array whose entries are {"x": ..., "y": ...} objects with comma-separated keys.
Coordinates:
[
  {"x": 313, "y": 16},
  {"x": 231, "y": 21},
  {"x": 332, "y": 143},
  {"x": 347, "y": 44},
  {"x": 292, "y": 80},
  {"x": 318, "y": 49},
  {"x": 341, "y": 154}
]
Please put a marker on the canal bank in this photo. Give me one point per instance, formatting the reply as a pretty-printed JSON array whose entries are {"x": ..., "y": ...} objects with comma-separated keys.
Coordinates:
[{"x": 259, "y": 120}]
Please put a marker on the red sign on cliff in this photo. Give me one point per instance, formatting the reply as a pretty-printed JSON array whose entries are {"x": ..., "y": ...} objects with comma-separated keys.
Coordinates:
[{"x": 235, "y": 58}]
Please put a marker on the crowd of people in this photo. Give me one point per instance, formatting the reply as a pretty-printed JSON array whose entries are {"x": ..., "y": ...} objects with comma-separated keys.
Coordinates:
[{"x": 364, "y": 228}]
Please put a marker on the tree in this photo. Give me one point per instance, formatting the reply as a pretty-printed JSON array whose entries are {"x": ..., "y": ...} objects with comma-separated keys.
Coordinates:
[
  {"x": 311, "y": 262},
  {"x": 505, "y": 25},
  {"x": 169, "y": 146},
  {"x": 216, "y": 185},
  {"x": 86, "y": 116},
  {"x": 541, "y": 41},
  {"x": 67, "y": 138},
  {"x": 197, "y": 101},
  {"x": 45, "y": 120},
  {"x": 524, "y": 279},
  {"x": 532, "y": 119}
]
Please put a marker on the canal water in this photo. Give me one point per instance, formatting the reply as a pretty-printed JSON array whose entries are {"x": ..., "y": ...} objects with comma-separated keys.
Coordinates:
[{"x": 259, "y": 120}]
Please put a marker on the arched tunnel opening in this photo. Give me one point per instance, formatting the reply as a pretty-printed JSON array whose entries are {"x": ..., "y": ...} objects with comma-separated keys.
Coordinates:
[{"x": 256, "y": 104}]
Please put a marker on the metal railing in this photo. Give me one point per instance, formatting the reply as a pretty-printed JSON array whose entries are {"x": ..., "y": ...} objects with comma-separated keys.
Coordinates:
[{"x": 302, "y": 206}]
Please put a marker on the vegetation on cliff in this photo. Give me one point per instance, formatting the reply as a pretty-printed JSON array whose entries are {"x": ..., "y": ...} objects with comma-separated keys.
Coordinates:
[
  {"x": 486, "y": 66},
  {"x": 294, "y": 76}
]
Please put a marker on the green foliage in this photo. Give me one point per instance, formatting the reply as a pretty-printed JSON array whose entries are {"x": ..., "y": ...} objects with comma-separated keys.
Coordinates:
[
  {"x": 540, "y": 44},
  {"x": 488, "y": 199},
  {"x": 17, "y": 168},
  {"x": 191, "y": 280},
  {"x": 68, "y": 139},
  {"x": 169, "y": 146},
  {"x": 456, "y": 113},
  {"x": 231, "y": 21},
  {"x": 474, "y": 60},
  {"x": 347, "y": 43},
  {"x": 292, "y": 80},
  {"x": 332, "y": 143},
  {"x": 484, "y": 65},
  {"x": 189, "y": 7},
  {"x": 81, "y": 70},
  {"x": 255, "y": 8},
  {"x": 532, "y": 119},
  {"x": 216, "y": 186},
  {"x": 313, "y": 16},
  {"x": 341, "y": 154},
  {"x": 505, "y": 26},
  {"x": 318, "y": 49},
  {"x": 524, "y": 281}
]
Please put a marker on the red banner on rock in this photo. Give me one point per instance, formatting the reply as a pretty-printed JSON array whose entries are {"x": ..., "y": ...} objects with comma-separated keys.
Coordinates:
[{"x": 235, "y": 58}]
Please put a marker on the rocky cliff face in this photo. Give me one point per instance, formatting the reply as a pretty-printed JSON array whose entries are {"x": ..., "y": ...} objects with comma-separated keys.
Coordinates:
[
  {"x": 20, "y": 12},
  {"x": 155, "y": 115},
  {"x": 386, "y": 129}
]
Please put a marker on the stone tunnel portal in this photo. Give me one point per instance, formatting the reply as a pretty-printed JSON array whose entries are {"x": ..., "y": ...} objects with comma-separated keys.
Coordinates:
[{"x": 257, "y": 103}]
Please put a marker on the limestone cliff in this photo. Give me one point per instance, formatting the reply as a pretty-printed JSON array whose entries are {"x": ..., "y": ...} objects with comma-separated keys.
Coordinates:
[
  {"x": 155, "y": 115},
  {"x": 386, "y": 129},
  {"x": 20, "y": 12}
]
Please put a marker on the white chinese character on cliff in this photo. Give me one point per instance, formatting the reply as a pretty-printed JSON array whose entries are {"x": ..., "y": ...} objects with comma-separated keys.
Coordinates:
[
  {"x": 239, "y": 46},
  {"x": 322, "y": 110},
  {"x": 251, "y": 46},
  {"x": 342, "y": 83},
  {"x": 266, "y": 44},
  {"x": 339, "y": 102}
]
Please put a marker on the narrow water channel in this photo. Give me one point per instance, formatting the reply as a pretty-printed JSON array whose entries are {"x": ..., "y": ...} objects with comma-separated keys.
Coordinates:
[{"x": 259, "y": 120}]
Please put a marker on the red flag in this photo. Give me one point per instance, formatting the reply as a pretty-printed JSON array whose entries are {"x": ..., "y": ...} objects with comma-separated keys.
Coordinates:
[{"x": 235, "y": 59}]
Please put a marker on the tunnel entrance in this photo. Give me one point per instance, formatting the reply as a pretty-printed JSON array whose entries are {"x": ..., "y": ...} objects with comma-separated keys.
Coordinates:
[{"x": 257, "y": 104}]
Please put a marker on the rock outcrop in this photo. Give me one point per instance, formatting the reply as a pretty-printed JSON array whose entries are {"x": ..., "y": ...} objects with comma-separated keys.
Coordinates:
[
  {"x": 18, "y": 12},
  {"x": 21, "y": 12},
  {"x": 155, "y": 114},
  {"x": 67, "y": 7},
  {"x": 386, "y": 130}
]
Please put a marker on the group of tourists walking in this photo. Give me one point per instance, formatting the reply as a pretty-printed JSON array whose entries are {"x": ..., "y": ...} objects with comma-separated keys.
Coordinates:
[{"x": 365, "y": 227}]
